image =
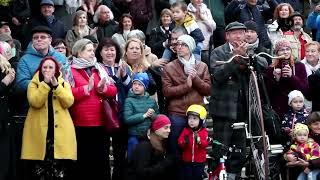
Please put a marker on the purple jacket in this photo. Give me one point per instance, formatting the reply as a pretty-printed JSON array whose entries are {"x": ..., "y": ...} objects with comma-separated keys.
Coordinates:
[{"x": 278, "y": 91}]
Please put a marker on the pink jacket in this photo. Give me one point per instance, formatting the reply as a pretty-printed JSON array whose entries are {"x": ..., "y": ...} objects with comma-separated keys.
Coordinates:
[{"x": 87, "y": 109}]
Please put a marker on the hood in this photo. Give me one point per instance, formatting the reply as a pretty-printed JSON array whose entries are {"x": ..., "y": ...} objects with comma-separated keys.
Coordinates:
[
  {"x": 31, "y": 50},
  {"x": 187, "y": 20},
  {"x": 130, "y": 94}
]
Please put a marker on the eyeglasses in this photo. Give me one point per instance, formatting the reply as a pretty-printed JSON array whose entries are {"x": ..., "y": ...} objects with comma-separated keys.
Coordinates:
[
  {"x": 181, "y": 45},
  {"x": 40, "y": 37},
  {"x": 60, "y": 47}
]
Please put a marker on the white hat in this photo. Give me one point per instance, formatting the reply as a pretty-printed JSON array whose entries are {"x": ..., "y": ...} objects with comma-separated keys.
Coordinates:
[
  {"x": 294, "y": 94},
  {"x": 188, "y": 40}
]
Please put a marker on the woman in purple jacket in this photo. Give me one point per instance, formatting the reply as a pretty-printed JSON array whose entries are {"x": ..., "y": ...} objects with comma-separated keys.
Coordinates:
[{"x": 283, "y": 76}]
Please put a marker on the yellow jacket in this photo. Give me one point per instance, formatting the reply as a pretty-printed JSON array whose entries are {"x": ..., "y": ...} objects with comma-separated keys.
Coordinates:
[{"x": 36, "y": 124}]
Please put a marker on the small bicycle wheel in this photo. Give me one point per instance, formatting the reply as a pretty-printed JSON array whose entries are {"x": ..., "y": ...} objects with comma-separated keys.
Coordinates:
[{"x": 258, "y": 141}]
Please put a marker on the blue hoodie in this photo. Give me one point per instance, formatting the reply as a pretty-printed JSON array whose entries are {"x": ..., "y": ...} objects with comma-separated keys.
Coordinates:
[{"x": 29, "y": 63}]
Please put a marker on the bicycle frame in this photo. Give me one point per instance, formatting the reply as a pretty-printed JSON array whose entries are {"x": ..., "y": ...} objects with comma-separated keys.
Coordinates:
[{"x": 255, "y": 110}]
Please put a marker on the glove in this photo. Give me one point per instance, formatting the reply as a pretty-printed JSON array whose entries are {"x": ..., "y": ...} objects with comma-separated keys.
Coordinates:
[
  {"x": 197, "y": 138},
  {"x": 186, "y": 140}
]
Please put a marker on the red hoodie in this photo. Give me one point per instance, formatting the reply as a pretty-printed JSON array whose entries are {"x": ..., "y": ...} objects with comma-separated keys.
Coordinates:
[{"x": 193, "y": 151}]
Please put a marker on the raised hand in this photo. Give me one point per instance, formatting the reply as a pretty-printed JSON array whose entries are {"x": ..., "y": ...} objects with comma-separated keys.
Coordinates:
[
  {"x": 54, "y": 81},
  {"x": 101, "y": 84},
  {"x": 91, "y": 83}
]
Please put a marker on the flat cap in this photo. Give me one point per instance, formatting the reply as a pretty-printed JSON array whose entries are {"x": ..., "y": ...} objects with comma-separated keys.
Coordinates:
[
  {"x": 43, "y": 29},
  {"x": 235, "y": 25},
  {"x": 47, "y": 2}
]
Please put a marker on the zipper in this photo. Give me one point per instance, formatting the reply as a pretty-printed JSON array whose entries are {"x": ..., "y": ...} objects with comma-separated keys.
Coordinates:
[{"x": 192, "y": 160}]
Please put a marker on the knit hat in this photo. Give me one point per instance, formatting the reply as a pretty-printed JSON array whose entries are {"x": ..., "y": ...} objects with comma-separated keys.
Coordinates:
[
  {"x": 188, "y": 40},
  {"x": 160, "y": 121},
  {"x": 294, "y": 94},
  {"x": 251, "y": 25},
  {"x": 5, "y": 37},
  {"x": 143, "y": 78},
  {"x": 6, "y": 50},
  {"x": 300, "y": 127},
  {"x": 281, "y": 43},
  {"x": 79, "y": 45}
]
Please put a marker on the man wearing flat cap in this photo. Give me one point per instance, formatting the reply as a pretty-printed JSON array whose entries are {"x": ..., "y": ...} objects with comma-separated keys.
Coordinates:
[
  {"x": 39, "y": 48},
  {"x": 228, "y": 96},
  {"x": 47, "y": 18}
]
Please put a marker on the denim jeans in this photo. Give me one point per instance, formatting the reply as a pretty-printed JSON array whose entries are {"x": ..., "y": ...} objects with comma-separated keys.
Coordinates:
[
  {"x": 132, "y": 142},
  {"x": 312, "y": 175},
  {"x": 177, "y": 125}
]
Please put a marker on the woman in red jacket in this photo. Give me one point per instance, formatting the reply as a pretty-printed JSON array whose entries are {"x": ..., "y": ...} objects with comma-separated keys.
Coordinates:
[{"x": 90, "y": 84}]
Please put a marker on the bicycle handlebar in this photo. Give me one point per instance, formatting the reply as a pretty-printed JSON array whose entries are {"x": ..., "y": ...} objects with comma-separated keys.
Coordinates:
[{"x": 247, "y": 57}]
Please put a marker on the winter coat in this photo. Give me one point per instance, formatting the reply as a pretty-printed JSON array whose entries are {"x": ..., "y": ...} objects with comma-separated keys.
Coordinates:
[
  {"x": 179, "y": 95},
  {"x": 206, "y": 23},
  {"x": 4, "y": 104},
  {"x": 87, "y": 109},
  {"x": 36, "y": 124},
  {"x": 27, "y": 67},
  {"x": 278, "y": 91},
  {"x": 106, "y": 30},
  {"x": 192, "y": 28},
  {"x": 314, "y": 89},
  {"x": 57, "y": 26},
  {"x": 123, "y": 84},
  {"x": 134, "y": 108},
  {"x": 29, "y": 63},
  {"x": 149, "y": 164},
  {"x": 313, "y": 22},
  {"x": 73, "y": 36},
  {"x": 296, "y": 4},
  {"x": 193, "y": 151},
  {"x": 259, "y": 13},
  {"x": 140, "y": 10},
  {"x": 157, "y": 37},
  {"x": 306, "y": 151},
  {"x": 230, "y": 84}
]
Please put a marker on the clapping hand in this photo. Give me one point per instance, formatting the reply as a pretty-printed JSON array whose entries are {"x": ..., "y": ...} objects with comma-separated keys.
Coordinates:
[
  {"x": 91, "y": 83},
  {"x": 54, "y": 81},
  {"x": 102, "y": 85},
  {"x": 8, "y": 79},
  {"x": 149, "y": 113}
]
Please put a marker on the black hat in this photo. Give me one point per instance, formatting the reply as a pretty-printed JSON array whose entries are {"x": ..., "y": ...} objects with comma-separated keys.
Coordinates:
[
  {"x": 43, "y": 29},
  {"x": 2, "y": 23},
  {"x": 235, "y": 25},
  {"x": 47, "y": 2},
  {"x": 251, "y": 25},
  {"x": 296, "y": 13}
]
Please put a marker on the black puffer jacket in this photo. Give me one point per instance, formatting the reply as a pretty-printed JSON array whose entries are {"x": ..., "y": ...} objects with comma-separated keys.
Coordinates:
[{"x": 106, "y": 30}]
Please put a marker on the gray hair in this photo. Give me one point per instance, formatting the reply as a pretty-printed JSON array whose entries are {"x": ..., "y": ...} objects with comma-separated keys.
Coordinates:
[
  {"x": 96, "y": 15},
  {"x": 136, "y": 33},
  {"x": 180, "y": 30},
  {"x": 80, "y": 46}
]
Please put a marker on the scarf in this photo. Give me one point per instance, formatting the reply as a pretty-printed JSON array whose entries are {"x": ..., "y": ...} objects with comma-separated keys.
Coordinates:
[
  {"x": 252, "y": 47},
  {"x": 187, "y": 65},
  {"x": 80, "y": 63},
  {"x": 309, "y": 68}
]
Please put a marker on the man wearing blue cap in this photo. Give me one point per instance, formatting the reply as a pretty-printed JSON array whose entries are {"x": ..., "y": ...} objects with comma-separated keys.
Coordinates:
[{"x": 48, "y": 19}]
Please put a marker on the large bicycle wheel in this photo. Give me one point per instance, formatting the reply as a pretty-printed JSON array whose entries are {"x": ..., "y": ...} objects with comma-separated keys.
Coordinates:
[{"x": 258, "y": 141}]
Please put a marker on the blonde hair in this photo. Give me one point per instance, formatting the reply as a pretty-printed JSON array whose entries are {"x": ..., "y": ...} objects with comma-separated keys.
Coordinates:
[
  {"x": 315, "y": 43},
  {"x": 4, "y": 64},
  {"x": 143, "y": 64}
]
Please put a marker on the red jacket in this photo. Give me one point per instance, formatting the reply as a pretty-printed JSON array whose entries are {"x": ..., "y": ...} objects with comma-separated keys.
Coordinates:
[
  {"x": 193, "y": 151},
  {"x": 87, "y": 109}
]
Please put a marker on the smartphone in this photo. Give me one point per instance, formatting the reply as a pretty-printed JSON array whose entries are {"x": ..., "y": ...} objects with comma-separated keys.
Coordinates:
[{"x": 284, "y": 63}]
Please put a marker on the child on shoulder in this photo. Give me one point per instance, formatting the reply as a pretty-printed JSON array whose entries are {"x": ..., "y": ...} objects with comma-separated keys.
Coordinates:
[
  {"x": 182, "y": 17},
  {"x": 193, "y": 141},
  {"x": 139, "y": 108},
  {"x": 297, "y": 113}
]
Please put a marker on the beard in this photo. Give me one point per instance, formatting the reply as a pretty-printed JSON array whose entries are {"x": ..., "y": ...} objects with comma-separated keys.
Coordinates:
[{"x": 297, "y": 27}]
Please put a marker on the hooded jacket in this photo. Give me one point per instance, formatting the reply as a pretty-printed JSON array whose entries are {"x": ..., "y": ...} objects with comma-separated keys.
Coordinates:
[
  {"x": 27, "y": 66},
  {"x": 134, "y": 108}
]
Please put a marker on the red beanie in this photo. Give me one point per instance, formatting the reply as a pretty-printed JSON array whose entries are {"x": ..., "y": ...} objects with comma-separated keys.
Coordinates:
[{"x": 160, "y": 121}]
